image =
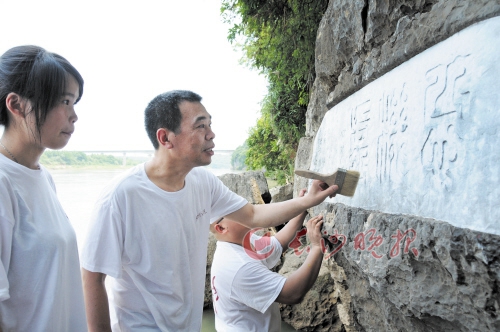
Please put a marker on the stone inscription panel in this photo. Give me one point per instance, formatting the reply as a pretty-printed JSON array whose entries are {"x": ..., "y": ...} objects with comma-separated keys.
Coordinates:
[{"x": 425, "y": 136}]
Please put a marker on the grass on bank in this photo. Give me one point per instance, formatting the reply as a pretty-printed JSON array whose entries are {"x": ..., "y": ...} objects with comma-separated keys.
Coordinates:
[{"x": 78, "y": 159}]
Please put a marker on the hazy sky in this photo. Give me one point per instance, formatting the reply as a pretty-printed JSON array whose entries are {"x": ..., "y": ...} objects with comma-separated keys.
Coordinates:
[{"x": 130, "y": 51}]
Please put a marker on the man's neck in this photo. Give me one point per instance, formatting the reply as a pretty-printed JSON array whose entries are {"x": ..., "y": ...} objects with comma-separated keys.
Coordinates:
[{"x": 165, "y": 175}]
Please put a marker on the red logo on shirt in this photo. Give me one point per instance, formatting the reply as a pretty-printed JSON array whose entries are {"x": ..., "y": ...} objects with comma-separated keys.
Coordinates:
[
  {"x": 261, "y": 248},
  {"x": 214, "y": 293}
]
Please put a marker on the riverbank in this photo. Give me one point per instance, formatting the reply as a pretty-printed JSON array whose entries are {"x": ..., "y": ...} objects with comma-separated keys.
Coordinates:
[
  {"x": 116, "y": 159},
  {"x": 86, "y": 167}
]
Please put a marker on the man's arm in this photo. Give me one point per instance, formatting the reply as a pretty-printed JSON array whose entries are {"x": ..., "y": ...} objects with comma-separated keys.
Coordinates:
[
  {"x": 266, "y": 215},
  {"x": 96, "y": 301},
  {"x": 300, "y": 282},
  {"x": 288, "y": 232}
]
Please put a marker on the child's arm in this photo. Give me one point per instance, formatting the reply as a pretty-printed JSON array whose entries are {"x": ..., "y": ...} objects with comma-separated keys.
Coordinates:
[
  {"x": 288, "y": 232},
  {"x": 300, "y": 282}
]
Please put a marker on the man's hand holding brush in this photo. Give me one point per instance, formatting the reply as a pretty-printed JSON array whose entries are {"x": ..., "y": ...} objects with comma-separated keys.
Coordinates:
[{"x": 320, "y": 191}]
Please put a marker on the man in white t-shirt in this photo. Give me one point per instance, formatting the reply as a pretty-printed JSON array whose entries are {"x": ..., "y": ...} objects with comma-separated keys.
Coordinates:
[
  {"x": 245, "y": 292},
  {"x": 150, "y": 226}
]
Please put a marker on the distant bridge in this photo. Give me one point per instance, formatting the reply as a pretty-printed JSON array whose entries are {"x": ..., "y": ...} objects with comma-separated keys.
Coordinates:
[{"x": 148, "y": 153}]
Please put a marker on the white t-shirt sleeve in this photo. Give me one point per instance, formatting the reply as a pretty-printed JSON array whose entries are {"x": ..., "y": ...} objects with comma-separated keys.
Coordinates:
[
  {"x": 275, "y": 256},
  {"x": 104, "y": 246},
  {"x": 224, "y": 201}
]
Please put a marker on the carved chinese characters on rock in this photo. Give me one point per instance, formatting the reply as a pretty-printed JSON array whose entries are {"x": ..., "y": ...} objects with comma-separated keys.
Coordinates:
[
  {"x": 447, "y": 98},
  {"x": 393, "y": 122},
  {"x": 360, "y": 120}
]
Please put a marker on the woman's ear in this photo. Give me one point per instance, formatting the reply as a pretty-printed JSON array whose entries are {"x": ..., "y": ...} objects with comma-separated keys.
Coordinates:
[{"x": 16, "y": 105}]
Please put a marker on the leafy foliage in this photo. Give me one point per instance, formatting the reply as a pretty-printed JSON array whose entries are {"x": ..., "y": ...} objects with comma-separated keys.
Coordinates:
[
  {"x": 279, "y": 40},
  {"x": 239, "y": 156},
  {"x": 266, "y": 151}
]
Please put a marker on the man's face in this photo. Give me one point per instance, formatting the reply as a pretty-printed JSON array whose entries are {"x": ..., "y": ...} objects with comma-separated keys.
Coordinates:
[{"x": 194, "y": 142}]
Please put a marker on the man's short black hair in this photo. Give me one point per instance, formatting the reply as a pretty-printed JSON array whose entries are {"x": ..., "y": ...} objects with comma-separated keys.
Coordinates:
[{"x": 163, "y": 112}]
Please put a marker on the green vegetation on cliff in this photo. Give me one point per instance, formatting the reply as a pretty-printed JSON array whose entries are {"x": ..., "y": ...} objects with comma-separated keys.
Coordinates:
[
  {"x": 279, "y": 40},
  {"x": 238, "y": 157}
]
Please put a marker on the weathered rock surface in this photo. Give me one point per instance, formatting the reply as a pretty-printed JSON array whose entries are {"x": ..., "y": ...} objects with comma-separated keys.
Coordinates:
[
  {"x": 318, "y": 311},
  {"x": 281, "y": 193},
  {"x": 250, "y": 185},
  {"x": 302, "y": 161},
  {"x": 400, "y": 273}
]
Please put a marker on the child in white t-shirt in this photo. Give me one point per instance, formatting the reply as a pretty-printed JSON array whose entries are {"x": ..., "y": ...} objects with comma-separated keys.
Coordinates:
[{"x": 245, "y": 292}]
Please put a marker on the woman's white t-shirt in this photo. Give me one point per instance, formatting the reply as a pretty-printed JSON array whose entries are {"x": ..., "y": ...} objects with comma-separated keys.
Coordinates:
[{"x": 40, "y": 279}]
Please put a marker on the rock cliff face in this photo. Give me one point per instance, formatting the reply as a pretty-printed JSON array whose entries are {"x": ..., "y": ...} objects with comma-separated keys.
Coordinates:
[
  {"x": 381, "y": 279},
  {"x": 380, "y": 276}
]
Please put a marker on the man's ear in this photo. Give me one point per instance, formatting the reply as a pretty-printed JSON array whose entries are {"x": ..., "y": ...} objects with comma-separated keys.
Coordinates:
[
  {"x": 16, "y": 105},
  {"x": 163, "y": 136}
]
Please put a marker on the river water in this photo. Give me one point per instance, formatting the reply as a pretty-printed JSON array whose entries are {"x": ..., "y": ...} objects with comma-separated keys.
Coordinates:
[{"x": 78, "y": 189}]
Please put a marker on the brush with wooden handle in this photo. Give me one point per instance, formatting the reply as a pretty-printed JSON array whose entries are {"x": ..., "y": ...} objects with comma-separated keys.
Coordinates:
[{"x": 347, "y": 180}]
